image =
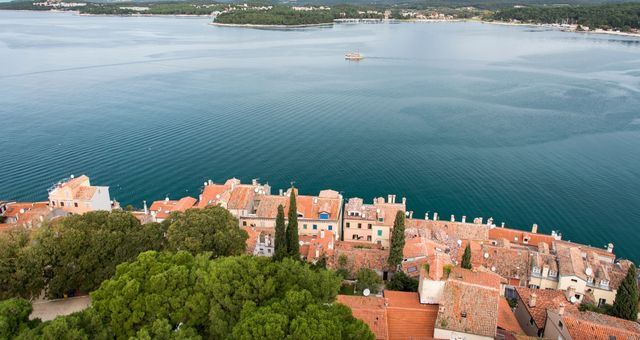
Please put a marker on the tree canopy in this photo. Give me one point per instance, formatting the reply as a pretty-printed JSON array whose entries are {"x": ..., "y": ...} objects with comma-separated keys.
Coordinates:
[
  {"x": 402, "y": 282},
  {"x": 625, "y": 305},
  {"x": 396, "y": 253},
  {"x": 368, "y": 279},
  {"x": 293, "y": 247},
  {"x": 280, "y": 242},
  {"x": 20, "y": 266},
  {"x": 466, "y": 258},
  {"x": 212, "y": 229}
]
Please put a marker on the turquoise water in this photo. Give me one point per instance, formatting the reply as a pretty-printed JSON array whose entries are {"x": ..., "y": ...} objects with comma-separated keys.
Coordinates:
[{"x": 524, "y": 125}]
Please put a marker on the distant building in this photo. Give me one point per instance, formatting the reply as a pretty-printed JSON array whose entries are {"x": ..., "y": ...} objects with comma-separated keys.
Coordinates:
[
  {"x": 371, "y": 223},
  {"x": 26, "y": 214},
  {"x": 533, "y": 305},
  {"x": 77, "y": 196},
  {"x": 565, "y": 325},
  {"x": 314, "y": 247},
  {"x": 161, "y": 210},
  {"x": 240, "y": 199}
]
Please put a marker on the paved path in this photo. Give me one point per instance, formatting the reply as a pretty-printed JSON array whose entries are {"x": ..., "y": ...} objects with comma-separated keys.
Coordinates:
[{"x": 49, "y": 309}]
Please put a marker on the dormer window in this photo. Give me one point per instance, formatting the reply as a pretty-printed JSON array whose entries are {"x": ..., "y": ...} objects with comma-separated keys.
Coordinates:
[
  {"x": 300, "y": 215},
  {"x": 604, "y": 283},
  {"x": 589, "y": 279},
  {"x": 324, "y": 216},
  {"x": 553, "y": 273},
  {"x": 536, "y": 270},
  {"x": 381, "y": 219}
]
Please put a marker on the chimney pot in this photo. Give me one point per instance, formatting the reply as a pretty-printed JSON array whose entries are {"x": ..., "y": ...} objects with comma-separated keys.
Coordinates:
[
  {"x": 532, "y": 300},
  {"x": 453, "y": 218},
  {"x": 561, "y": 308},
  {"x": 435, "y": 216},
  {"x": 464, "y": 219},
  {"x": 534, "y": 228}
]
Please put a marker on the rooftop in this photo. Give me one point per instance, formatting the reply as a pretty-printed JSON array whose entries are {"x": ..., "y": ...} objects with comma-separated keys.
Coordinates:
[
  {"x": 590, "y": 325},
  {"x": 371, "y": 310},
  {"x": 164, "y": 208},
  {"x": 545, "y": 299},
  {"x": 506, "y": 319}
]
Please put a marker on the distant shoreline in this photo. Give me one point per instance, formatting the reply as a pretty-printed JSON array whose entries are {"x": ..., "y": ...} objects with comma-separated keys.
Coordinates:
[
  {"x": 270, "y": 26},
  {"x": 560, "y": 29}
]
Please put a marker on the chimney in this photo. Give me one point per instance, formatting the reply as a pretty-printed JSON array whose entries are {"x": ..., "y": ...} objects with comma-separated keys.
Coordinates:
[
  {"x": 389, "y": 197},
  {"x": 404, "y": 201},
  {"x": 534, "y": 228},
  {"x": 610, "y": 247},
  {"x": 435, "y": 216},
  {"x": 426, "y": 216},
  {"x": 254, "y": 181},
  {"x": 464, "y": 219},
  {"x": 570, "y": 292},
  {"x": 210, "y": 182},
  {"x": 280, "y": 192},
  {"x": 144, "y": 205},
  {"x": 394, "y": 199},
  {"x": 453, "y": 218},
  {"x": 411, "y": 214},
  {"x": 561, "y": 309},
  {"x": 166, "y": 199},
  {"x": 532, "y": 300},
  {"x": 502, "y": 225}
]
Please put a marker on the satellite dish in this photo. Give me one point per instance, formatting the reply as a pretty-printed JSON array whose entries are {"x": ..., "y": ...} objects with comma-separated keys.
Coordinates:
[
  {"x": 366, "y": 292},
  {"x": 574, "y": 299},
  {"x": 589, "y": 271},
  {"x": 459, "y": 242},
  {"x": 486, "y": 255},
  {"x": 493, "y": 269}
]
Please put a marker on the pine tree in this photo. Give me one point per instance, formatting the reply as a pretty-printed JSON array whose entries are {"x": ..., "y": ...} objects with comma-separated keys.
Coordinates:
[
  {"x": 625, "y": 305},
  {"x": 293, "y": 247},
  {"x": 280, "y": 242},
  {"x": 396, "y": 252},
  {"x": 466, "y": 257}
]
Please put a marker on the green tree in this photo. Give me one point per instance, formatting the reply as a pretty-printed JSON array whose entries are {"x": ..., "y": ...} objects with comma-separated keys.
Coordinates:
[
  {"x": 81, "y": 251},
  {"x": 402, "y": 282},
  {"x": 625, "y": 305},
  {"x": 20, "y": 265},
  {"x": 212, "y": 229},
  {"x": 280, "y": 242},
  {"x": 367, "y": 278},
  {"x": 466, "y": 257},
  {"x": 396, "y": 253},
  {"x": 293, "y": 247},
  {"x": 14, "y": 317}
]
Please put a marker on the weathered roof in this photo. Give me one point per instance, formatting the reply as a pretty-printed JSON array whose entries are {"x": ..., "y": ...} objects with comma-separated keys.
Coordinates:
[
  {"x": 407, "y": 318},
  {"x": 518, "y": 236},
  {"x": 309, "y": 206},
  {"x": 506, "y": 319},
  {"x": 371, "y": 310},
  {"x": 590, "y": 325},
  {"x": 165, "y": 207},
  {"x": 469, "y": 308},
  {"x": 545, "y": 299}
]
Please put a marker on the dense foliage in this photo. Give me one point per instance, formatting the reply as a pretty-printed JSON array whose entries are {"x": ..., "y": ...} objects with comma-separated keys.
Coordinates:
[
  {"x": 280, "y": 241},
  {"x": 293, "y": 247},
  {"x": 165, "y": 295},
  {"x": 14, "y": 317},
  {"x": 396, "y": 253},
  {"x": 625, "y": 305},
  {"x": 282, "y": 15},
  {"x": 153, "y": 8},
  {"x": 77, "y": 253},
  {"x": 402, "y": 282},
  {"x": 368, "y": 279},
  {"x": 211, "y": 229},
  {"x": 466, "y": 257},
  {"x": 612, "y": 16}
]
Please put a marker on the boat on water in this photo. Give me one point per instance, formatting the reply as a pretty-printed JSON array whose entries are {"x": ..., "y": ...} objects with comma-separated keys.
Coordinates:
[{"x": 353, "y": 56}]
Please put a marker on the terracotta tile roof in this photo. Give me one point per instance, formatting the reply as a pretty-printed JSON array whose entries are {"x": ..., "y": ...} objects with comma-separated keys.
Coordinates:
[
  {"x": 585, "y": 248},
  {"x": 252, "y": 241},
  {"x": 26, "y": 213},
  {"x": 518, "y": 236},
  {"x": 74, "y": 182},
  {"x": 317, "y": 245},
  {"x": 164, "y": 208},
  {"x": 509, "y": 262},
  {"x": 545, "y": 299},
  {"x": 309, "y": 206},
  {"x": 416, "y": 247},
  {"x": 506, "y": 319},
  {"x": 407, "y": 318},
  {"x": 371, "y": 310},
  {"x": 241, "y": 197},
  {"x": 476, "y": 277},
  {"x": 360, "y": 256},
  {"x": 575, "y": 261},
  {"x": 469, "y": 308},
  {"x": 211, "y": 194},
  {"x": 85, "y": 193},
  {"x": 590, "y": 325}
]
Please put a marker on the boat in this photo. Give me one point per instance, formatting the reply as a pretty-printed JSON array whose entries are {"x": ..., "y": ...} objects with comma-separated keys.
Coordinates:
[{"x": 353, "y": 56}]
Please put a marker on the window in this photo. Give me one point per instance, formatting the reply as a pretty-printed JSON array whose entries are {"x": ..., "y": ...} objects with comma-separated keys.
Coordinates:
[
  {"x": 269, "y": 250},
  {"x": 354, "y": 237},
  {"x": 75, "y": 204},
  {"x": 381, "y": 219},
  {"x": 330, "y": 227},
  {"x": 304, "y": 226},
  {"x": 315, "y": 227},
  {"x": 532, "y": 286},
  {"x": 324, "y": 216},
  {"x": 348, "y": 225},
  {"x": 560, "y": 324},
  {"x": 370, "y": 226},
  {"x": 53, "y": 203},
  {"x": 531, "y": 321},
  {"x": 604, "y": 283},
  {"x": 553, "y": 273},
  {"x": 536, "y": 270},
  {"x": 412, "y": 269},
  {"x": 368, "y": 237},
  {"x": 379, "y": 232},
  {"x": 62, "y": 204},
  {"x": 602, "y": 302},
  {"x": 574, "y": 280},
  {"x": 359, "y": 225},
  {"x": 244, "y": 223}
]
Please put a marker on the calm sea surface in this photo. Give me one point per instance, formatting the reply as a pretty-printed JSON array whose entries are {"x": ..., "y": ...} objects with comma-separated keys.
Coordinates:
[{"x": 524, "y": 125}]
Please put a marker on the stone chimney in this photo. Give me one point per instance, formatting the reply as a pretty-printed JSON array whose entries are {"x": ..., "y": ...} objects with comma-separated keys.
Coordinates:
[
  {"x": 534, "y": 228},
  {"x": 435, "y": 216},
  {"x": 570, "y": 292},
  {"x": 502, "y": 225},
  {"x": 389, "y": 197},
  {"x": 280, "y": 192},
  {"x": 426, "y": 216},
  {"x": 610, "y": 247},
  {"x": 532, "y": 300},
  {"x": 404, "y": 201},
  {"x": 453, "y": 218},
  {"x": 254, "y": 181},
  {"x": 464, "y": 219},
  {"x": 561, "y": 309},
  {"x": 144, "y": 205},
  {"x": 411, "y": 214}
]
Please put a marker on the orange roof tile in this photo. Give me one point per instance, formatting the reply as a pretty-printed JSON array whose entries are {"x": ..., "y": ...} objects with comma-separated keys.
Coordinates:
[
  {"x": 590, "y": 325},
  {"x": 518, "y": 236},
  {"x": 545, "y": 299},
  {"x": 506, "y": 319},
  {"x": 371, "y": 310},
  {"x": 309, "y": 206},
  {"x": 85, "y": 193},
  {"x": 211, "y": 194},
  {"x": 476, "y": 277},
  {"x": 164, "y": 208},
  {"x": 469, "y": 308},
  {"x": 407, "y": 318}
]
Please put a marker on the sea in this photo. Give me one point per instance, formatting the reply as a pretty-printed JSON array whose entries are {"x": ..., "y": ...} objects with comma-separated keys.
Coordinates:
[{"x": 522, "y": 124}]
